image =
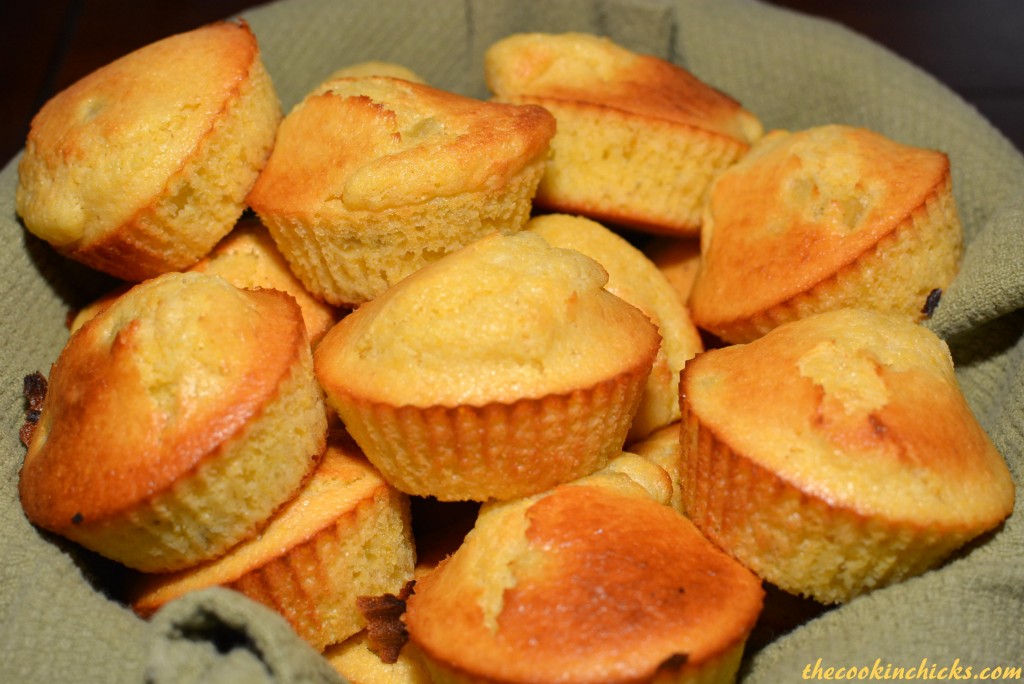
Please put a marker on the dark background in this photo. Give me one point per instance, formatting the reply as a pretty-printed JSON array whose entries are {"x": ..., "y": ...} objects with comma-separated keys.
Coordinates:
[{"x": 976, "y": 47}]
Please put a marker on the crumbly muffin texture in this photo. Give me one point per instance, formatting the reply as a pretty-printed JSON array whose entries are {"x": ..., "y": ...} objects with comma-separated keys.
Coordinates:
[{"x": 639, "y": 139}]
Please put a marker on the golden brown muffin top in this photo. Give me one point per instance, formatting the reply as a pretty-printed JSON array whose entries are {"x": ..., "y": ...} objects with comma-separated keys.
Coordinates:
[
  {"x": 375, "y": 143},
  {"x": 857, "y": 408},
  {"x": 102, "y": 149},
  {"x": 798, "y": 208},
  {"x": 586, "y": 583},
  {"x": 149, "y": 388},
  {"x": 505, "y": 318},
  {"x": 585, "y": 69}
]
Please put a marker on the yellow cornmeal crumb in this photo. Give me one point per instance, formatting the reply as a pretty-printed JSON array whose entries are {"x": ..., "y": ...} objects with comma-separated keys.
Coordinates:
[
  {"x": 835, "y": 190},
  {"x": 639, "y": 139},
  {"x": 849, "y": 380},
  {"x": 494, "y": 560},
  {"x": 848, "y": 365}
]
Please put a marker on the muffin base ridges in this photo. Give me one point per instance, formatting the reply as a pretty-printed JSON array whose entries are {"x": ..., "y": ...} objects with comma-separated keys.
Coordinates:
[
  {"x": 347, "y": 258},
  {"x": 336, "y": 541},
  {"x": 795, "y": 539},
  {"x": 315, "y": 585},
  {"x": 610, "y": 165},
  {"x": 498, "y": 450}
]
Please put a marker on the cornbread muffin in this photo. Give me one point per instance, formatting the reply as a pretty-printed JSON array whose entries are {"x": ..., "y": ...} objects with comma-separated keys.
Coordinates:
[
  {"x": 346, "y": 534},
  {"x": 662, "y": 448},
  {"x": 142, "y": 166},
  {"x": 678, "y": 259},
  {"x": 639, "y": 138},
  {"x": 633, "y": 277},
  {"x": 175, "y": 423},
  {"x": 248, "y": 258},
  {"x": 836, "y": 454},
  {"x": 372, "y": 178},
  {"x": 820, "y": 219},
  {"x": 464, "y": 381},
  {"x": 589, "y": 582}
]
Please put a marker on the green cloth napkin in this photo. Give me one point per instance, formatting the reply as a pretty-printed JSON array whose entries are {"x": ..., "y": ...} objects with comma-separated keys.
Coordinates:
[{"x": 57, "y": 621}]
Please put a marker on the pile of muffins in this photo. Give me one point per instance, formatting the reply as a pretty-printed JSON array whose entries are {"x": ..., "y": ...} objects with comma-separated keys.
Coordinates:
[{"x": 543, "y": 387}]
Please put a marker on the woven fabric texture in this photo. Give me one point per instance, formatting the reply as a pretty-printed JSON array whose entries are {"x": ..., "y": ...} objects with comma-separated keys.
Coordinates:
[{"x": 57, "y": 622}]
